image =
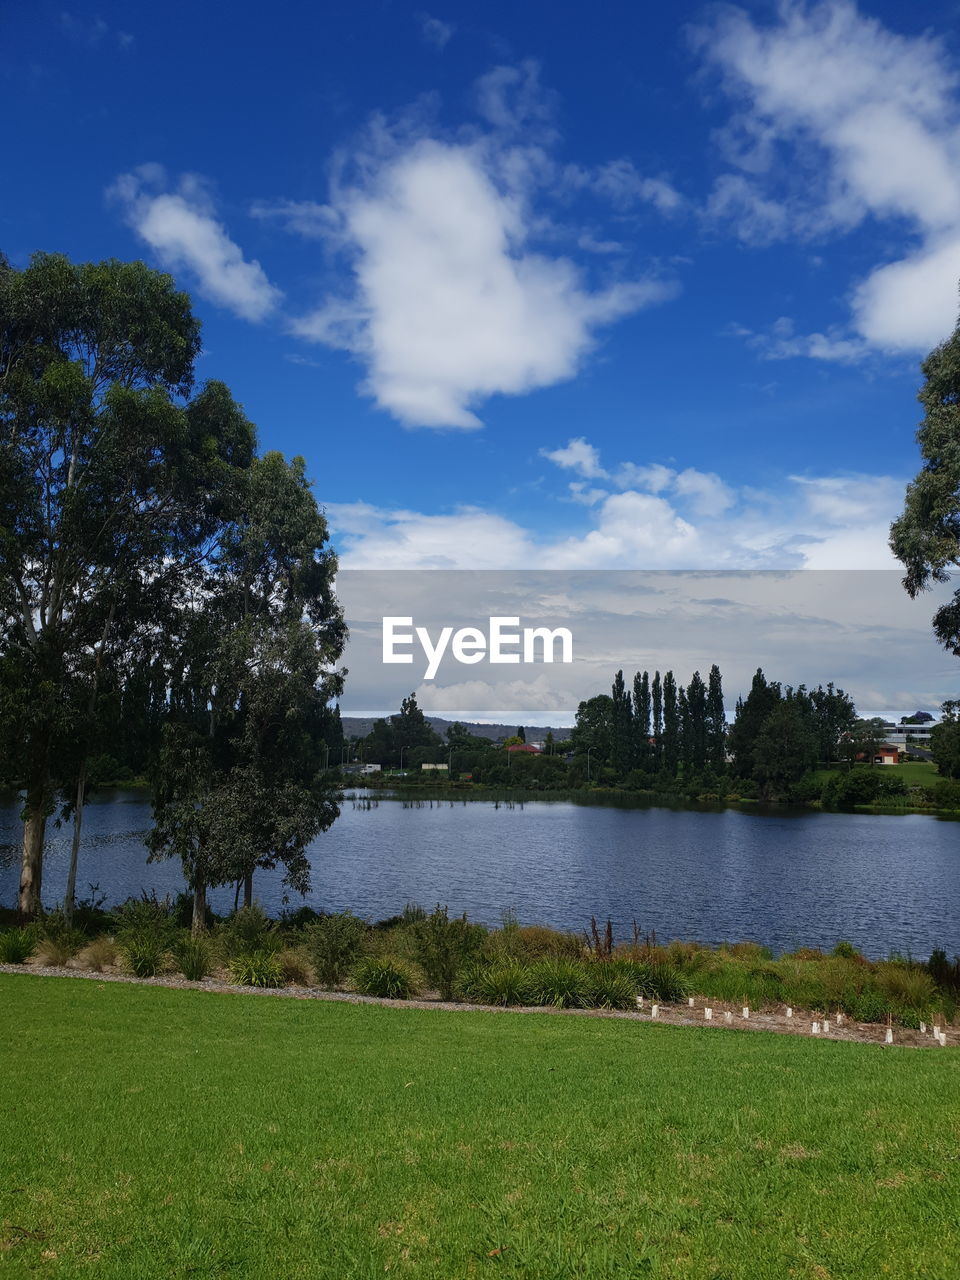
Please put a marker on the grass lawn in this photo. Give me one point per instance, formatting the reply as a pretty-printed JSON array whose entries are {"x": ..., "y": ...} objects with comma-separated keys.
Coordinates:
[
  {"x": 150, "y": 1132},
  {"x": 915, "y": 773}
]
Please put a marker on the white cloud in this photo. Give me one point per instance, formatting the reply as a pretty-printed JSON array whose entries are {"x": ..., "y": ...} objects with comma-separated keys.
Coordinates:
[
  {"x": 695, "y": 520},
  {"x": 182, "y": 229},
  {"x": 842, "y": 120},
  {"x": 434, "y": 30},
  {"x": 706, "y": 492},
  {"x": 451, "y": 306},
  {"x": 577, "y": 456},
  {"x": 304, "y": 217}
]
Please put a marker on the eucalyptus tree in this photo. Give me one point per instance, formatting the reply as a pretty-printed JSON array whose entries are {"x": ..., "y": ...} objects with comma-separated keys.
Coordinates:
[
  {"x": 926, "y": 537},
  {"x": 241, "y": 781},
  {"x": 112, "y": 483}
]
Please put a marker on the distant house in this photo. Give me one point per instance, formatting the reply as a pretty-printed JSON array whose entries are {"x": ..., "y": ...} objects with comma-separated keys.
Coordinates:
[
  {"x": 439, "y": 768},
  {"x": 525, "y": 748},
  {"x": 887, "y": 753},
  {"x": 370, "y": 768}
]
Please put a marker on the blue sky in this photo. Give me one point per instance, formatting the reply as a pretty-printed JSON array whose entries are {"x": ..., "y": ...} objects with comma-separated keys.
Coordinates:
[{"x": 546, "y": 285}]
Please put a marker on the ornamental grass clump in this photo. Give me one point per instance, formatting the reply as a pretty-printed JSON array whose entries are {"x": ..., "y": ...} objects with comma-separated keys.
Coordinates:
[
  {"x": 98, "y": 955},
  {"x": 504, "y": 983},
  {"x": 333, "y": 944},
  {"x": 257, "y": 969},
  {"x": 16, "y": 946},
  {"x": 295, "y": 967},
  {"x": 609, "y": 987},
  {"x": 563, "y": 984},
  {"x": 143, "y": 954},
  {"x": 193, "y": 956},
  {"x": 385, "y": 977}
]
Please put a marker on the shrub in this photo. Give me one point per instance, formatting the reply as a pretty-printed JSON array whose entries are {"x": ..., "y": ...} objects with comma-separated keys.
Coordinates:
[
  {"x": 385, "y": 977},
  {"x": 257, "y": 969},
  {"x": 609, "y": 987},
  {"x": 870, "y": 1005},
  {"x": 333, "y": 943},
  {"x": 504, "y": 983},
  {"x": 560, "y": 983},
  {"x": 537, "y": 941},
  {"x": 193, "y": 957},
  {"x": 248, "y": 930},
  {"x": 16, "y": 946},
  {"x": 55, "y": 951},
  {"x": 295, "y": 967},
  {"x": 146, "y": 915},
  {"x": 444, "y": 946},
  {"x": 845, "y": 951},
  {"x": 143, "y": 954},
  {"x": 907, "y": 984},
  {"x": 656, "y": 979},
  {"x": 97, "y": 955}
]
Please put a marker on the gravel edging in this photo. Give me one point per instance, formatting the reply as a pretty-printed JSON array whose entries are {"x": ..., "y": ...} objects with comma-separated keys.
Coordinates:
[{"x": 669, "y": 1015}]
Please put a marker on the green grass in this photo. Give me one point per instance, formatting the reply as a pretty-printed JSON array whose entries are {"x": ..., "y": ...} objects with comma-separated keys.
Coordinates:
[
  {"x": 915, "y": 773},
  {"x": 155, "y": 1133}
]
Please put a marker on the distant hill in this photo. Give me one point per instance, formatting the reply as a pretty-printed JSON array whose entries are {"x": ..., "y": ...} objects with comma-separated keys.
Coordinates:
[{"x": 360, "y": 726}]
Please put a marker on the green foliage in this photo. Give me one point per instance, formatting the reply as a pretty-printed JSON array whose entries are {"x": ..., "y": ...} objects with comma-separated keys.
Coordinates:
[
  {"x": 610, "y": 987},
  {"x": 845, "y": 951},
  {"x": 146, "y": 916},
  {"x": 506, "y": 983},
  {"x": 445, "y": 946},
  {"x": 257, "y": 969},
  {"x": 16, "y": 945},
  {"x": 561, "y": 983},
  {"x": 333, "y": 944},
  {"x": 296, "y": 967},
  {"x": 143, "y": 953},
  {"x": 193, "y": 956},
  {"x": 388, "y": 978},
  {"x": 249, "y": 929}
]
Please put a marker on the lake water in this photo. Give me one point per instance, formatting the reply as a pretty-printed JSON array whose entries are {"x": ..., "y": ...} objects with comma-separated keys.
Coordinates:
[{"x": 883, "y": 882}]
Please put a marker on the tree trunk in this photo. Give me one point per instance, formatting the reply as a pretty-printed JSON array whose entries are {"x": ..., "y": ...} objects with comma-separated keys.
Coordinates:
[
  {"x": 70, "y": 896},
  {"x": 31, "y": 868},
  {"x": 199, "y": 908},
  {"x": 248, "y": 889}
]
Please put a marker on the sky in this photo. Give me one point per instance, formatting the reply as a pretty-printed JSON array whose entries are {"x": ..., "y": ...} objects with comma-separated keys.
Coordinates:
[{"x": 628, "y": 287}]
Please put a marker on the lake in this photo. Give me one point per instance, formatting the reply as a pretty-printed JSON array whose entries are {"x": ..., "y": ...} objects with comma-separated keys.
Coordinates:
[{"x": 786, "y": 879}]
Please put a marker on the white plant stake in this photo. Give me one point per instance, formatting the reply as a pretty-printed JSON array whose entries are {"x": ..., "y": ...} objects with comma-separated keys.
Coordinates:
[
  {"x": 889, "y": 1036},
  {"x": 690, "y": 1001},
  {"x": 789, "y": 1012},
  {"x": 936, "y": 1032},
  {"x": 923, "y": 1028},
  {"x": 639, "y": 1002},
  {"x": 654, "y": 1010},
  {"x": 746, "y": 1011},
  {"x": 708, "y": 1015},
  {"x": 942, "y": 1039},
  {"x": 815, "y": 1028},
  {"x": 839, "y": 1018},
  {"x": 728, "y": 1016}
]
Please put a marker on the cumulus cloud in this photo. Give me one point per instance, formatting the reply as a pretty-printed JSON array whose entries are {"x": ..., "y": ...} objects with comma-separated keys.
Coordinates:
[
  {"x": 182, "y": 229},
  {"x": 666, "y": 519},
  {"x": 840, "y": 120},
  {"x": 451, "y": 305},
  {"x": 577, "y": 456},
  {"x": 456, "y": 287}
]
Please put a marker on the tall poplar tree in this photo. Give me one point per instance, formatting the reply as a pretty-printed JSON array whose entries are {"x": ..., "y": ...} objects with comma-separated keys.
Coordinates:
[
  {"x": 642, "y": 710},
  {"x": 715, "y": 721},
  {"x": 671, "y": 726}
]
